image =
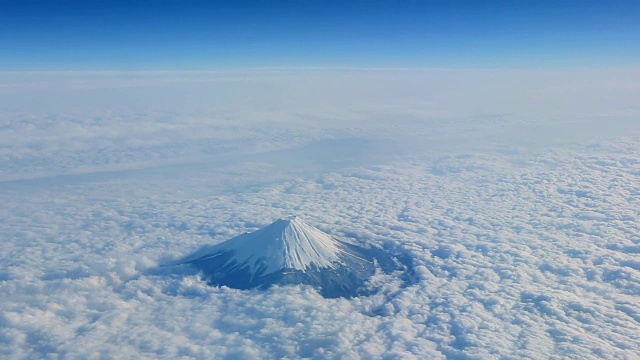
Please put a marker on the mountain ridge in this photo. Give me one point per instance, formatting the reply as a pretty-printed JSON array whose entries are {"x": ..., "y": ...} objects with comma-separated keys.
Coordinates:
[{"x": 290, "y": 252}]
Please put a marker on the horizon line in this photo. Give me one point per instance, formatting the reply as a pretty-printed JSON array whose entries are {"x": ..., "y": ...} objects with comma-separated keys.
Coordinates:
[{"x": 304, "y": 68}]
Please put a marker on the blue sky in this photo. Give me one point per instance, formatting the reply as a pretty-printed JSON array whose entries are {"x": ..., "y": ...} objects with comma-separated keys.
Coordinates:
[{"x": 190, "y": 35}]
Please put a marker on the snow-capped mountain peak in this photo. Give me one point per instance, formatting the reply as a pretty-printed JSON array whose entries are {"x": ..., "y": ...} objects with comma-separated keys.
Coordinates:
[
  {"x": 288, "y": 243},
  {"x": 290, "y": 252}
]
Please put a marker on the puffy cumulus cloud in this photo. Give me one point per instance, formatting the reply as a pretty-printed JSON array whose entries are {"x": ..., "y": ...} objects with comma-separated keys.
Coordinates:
[
  {"x": 532, "y": 261},
  {"x": 521, "y": 247}
]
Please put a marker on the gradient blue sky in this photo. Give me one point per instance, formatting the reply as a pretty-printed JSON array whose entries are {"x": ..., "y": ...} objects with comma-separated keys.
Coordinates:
[{"x": 190, "y": 35}]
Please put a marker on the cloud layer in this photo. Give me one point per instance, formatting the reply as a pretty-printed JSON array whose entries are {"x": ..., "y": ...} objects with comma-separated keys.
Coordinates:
[{"x": 524, "y": 240}]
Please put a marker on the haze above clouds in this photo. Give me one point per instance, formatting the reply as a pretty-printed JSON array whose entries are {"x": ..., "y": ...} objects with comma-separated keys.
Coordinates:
[{"x": 515, "y": 194}]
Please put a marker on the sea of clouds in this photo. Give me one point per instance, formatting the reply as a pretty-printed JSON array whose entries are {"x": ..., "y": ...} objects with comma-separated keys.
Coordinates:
[{"x": 515, "y": 194}]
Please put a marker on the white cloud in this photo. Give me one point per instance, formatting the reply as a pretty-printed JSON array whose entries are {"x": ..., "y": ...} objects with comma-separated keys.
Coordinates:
[{"x": 526, "y": 249}]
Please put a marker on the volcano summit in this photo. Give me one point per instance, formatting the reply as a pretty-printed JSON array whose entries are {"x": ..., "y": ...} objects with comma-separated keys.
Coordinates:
[{"x": 289, "y": 252}]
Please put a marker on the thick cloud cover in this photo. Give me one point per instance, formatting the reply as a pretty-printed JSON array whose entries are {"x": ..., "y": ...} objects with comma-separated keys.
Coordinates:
[{"x": 516, "y": 195}]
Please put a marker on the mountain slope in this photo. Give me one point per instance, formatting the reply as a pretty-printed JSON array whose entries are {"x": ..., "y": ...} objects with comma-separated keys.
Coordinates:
[{"x": 290, "y": 251}]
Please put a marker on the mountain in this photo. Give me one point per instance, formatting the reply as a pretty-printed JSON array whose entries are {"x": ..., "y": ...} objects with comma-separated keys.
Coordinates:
[{"x": 287, "y": 252}]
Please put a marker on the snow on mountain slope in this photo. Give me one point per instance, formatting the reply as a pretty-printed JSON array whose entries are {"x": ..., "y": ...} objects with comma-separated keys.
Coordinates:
[
  {"x": 290, "y": 252},
  {"x": 288, "y": 243}
]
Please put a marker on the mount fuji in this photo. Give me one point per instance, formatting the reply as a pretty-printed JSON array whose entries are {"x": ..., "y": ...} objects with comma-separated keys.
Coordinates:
[{"x": 289, "y": 252}]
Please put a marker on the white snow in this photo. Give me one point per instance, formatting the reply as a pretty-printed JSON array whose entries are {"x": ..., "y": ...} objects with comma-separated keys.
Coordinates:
[{"x": 288, "y": 243}]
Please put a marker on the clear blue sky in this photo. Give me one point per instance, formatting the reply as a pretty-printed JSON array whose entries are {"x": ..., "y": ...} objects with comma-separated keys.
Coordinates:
[{"x": 190, "y": 35}]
